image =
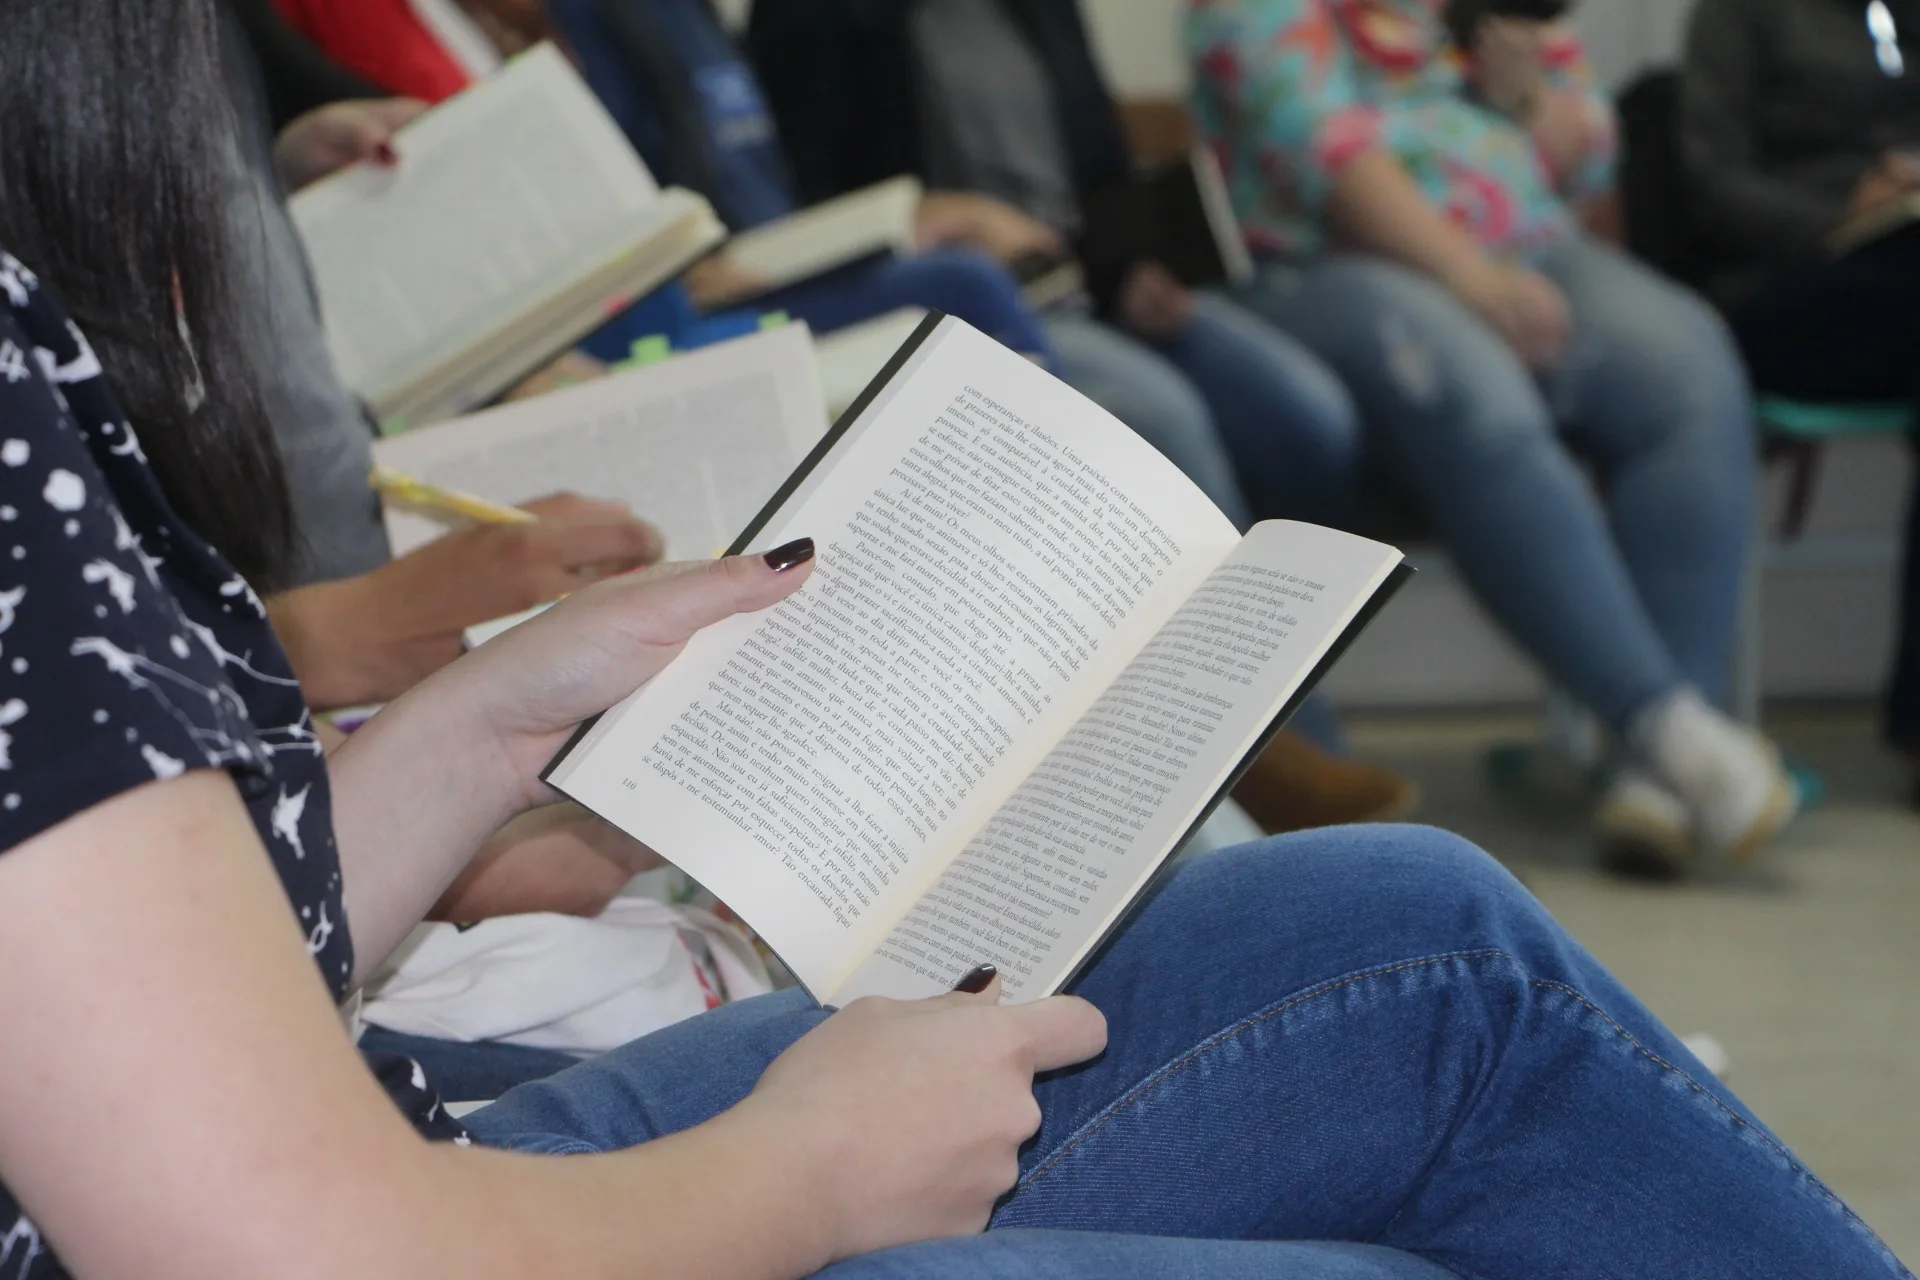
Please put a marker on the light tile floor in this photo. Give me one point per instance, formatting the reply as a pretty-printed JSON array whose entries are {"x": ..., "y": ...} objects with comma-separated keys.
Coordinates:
[{"x": 1806, "y": 969}]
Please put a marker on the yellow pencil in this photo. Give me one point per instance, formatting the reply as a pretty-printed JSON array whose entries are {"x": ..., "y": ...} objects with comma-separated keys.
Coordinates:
[{"x": 418, "y": 493}]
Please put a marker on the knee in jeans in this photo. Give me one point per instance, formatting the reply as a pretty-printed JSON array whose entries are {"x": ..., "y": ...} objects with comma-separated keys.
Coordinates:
[{"x": 1426, "y": 868}]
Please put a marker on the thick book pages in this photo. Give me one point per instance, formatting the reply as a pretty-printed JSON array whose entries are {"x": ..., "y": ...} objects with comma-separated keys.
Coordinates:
[
  {"x": 871, "y": 223},
  {"x": 517, "y": 221},
  {"x": 1029, "y": 661},
  {"x": 1179, "y": 215},
  {"x": 693, "y": 444}
]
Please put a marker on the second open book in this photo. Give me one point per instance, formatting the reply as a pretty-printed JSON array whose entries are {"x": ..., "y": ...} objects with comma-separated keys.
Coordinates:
[{"x": 1031, "y": 658}]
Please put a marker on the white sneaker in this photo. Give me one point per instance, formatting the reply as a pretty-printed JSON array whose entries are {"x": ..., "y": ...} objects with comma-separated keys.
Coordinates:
[
  {"x": 1728, "y": 777},
  {"x": 1644, "y": 827}
]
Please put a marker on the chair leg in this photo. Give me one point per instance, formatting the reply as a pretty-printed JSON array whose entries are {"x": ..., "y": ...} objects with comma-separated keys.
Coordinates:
[{"x": 1803, "y": 464}]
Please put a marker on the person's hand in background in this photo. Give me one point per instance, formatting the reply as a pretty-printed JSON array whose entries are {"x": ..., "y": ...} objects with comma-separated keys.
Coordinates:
[
  {"x": 981, "y": 222},
  {"x": 568, "y": 369},
  {"x": 1153, "y": 303},
  {"x": 332, "y": 137},
  {"x": 371, "y": 638},
  {"x": 1523, "y": 306},
  {"x": 717, "y": 281},
  {"x": 1510, "y": 64},
  {"x": 1896, "y": 175}
]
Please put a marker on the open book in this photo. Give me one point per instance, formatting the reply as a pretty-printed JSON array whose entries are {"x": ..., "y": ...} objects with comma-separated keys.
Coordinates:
[
  {"x": 872, "y": 223},
  {"x": 693, "y": 444},
  {"x": 1030, "y": 660},
  {"x": 518, "y": 220}
]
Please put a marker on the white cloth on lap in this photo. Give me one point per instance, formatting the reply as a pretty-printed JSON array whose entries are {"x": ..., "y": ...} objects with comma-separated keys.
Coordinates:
[{"x": 562, "y": 982}]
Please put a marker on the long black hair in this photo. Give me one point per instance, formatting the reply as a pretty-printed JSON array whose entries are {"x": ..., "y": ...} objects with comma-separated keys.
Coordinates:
[{"x": 117, "y": 159}]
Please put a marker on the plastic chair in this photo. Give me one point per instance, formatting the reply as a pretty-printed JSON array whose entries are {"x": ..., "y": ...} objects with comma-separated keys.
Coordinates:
[{"x": 1795, "y": 431}]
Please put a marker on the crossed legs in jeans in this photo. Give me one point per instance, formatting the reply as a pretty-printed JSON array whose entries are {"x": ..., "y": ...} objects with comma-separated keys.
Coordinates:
[
  {"x": 1622, "y": 594},
  {"x": 1368, "y": 1037}
]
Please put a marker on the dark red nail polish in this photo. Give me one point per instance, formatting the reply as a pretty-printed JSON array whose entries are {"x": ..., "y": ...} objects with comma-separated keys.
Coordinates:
[
  {"x": 384, "y": 153},
  {"x": 978, "y": 979},
  {"x": 791, "y": 556}
]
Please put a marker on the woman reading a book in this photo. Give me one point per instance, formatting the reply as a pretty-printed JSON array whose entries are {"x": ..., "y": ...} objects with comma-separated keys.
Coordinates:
[
  {"x": 1372, "y": 1039},
  {"x": 1421, "y": 233}
]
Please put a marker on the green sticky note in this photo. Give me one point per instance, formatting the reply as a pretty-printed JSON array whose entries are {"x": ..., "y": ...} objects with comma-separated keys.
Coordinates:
[
  {"x": 393, "y": 427},
  {"x": 773, "y": 320},
  {"x": 651, "y": 349}
]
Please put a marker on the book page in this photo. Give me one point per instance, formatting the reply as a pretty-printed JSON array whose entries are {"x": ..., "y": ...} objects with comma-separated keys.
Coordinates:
[
  {"x": 511, "y": 190},
  {"x": 694, "y": 444},
  {"x": 1036, "y": 889},
  {"x": 992, "y": 549}
]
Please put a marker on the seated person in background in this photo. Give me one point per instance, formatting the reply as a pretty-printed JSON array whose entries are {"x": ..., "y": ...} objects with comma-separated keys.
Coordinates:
[
  {"x": 1798, "y": 120},
  {"x": 1005, "y": 101},
  {"x": 645, "y": 56},
  {"x": 177, "y": 930},
  {"x": 1420, "y": 234},
  {"x": 392, "y": 44}
]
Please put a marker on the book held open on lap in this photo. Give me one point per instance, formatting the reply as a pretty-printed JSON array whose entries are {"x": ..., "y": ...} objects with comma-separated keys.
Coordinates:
[
  {"x": 518, "y": 220},
  {"x": 1031, "y": 658}
]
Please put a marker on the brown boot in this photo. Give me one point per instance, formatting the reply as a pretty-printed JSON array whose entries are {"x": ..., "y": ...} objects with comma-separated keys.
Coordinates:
[{"x": 1294, "y": 786}]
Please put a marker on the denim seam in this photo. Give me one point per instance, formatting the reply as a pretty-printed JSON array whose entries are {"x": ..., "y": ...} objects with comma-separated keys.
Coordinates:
[
  {"x": 1159, "y": 1076},
  {"x": 1793, "y": 1163}
]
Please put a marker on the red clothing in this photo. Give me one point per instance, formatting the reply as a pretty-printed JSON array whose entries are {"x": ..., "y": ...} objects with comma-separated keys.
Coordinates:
[{"x": 381, "y": 40}]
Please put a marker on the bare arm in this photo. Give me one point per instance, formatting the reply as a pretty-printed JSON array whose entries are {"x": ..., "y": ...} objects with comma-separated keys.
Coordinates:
[
  {"x": 300, "y": 1166},
  {"x": 151, "y": 928},
  {"x": 558, "y": 858},
  {"x": 1376, "y": 206}
]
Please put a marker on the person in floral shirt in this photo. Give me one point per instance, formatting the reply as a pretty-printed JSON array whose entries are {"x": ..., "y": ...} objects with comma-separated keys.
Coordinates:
[{"x": 1417, "y": 208}]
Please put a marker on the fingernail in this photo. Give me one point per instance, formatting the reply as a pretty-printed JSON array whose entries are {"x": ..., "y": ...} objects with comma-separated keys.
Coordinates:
[
  {"x": 384, "y": 153},
  {"x": 791, "y": 556},
  {"x": 978, "y": 979}
]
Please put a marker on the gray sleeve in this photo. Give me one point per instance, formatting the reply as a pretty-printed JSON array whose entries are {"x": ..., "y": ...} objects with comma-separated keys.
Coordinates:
[
  {"x": 322, "y": 430},
  {"x": 1742, "y": 211}
]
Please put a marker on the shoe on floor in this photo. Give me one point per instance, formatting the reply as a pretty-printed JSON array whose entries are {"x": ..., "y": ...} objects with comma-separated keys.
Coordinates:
[
  {"x": 1295, "y": 786},
  {"x": 1736, "y": 792},
  {"x": 1644, "y": 829}
]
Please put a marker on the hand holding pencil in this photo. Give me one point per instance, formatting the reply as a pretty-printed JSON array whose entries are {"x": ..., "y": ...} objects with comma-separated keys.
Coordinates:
[
  {"x": 432, "y": 500},
  {"x": 367, "y": 639}
]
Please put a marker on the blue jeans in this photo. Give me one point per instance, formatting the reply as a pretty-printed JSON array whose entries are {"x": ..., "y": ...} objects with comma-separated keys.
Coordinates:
[
  {"x": 1230, "y": 389},
  {"x": 1367, "y": 1036},
  {"x": 1623, "y": 592},
  {"x": 959, "y": 282}
]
